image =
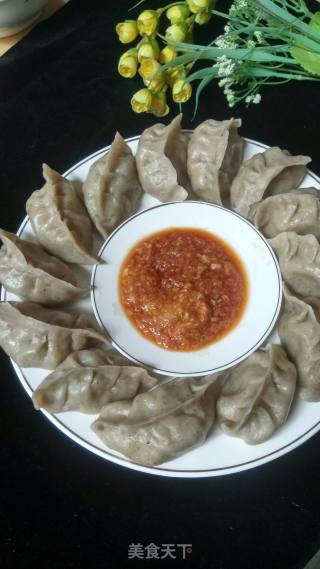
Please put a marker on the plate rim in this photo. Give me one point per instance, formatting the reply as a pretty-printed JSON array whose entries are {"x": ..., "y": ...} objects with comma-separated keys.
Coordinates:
[{"x": 158, "y": 470}]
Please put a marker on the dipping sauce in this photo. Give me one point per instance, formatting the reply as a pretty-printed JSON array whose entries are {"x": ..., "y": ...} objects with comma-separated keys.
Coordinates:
[{"x": 183, "y": 288}]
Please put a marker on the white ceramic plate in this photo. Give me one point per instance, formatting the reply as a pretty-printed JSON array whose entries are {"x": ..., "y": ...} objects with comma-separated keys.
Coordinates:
[
  {"x": 220, "y": 454},
  {"x": 262, "y": 271}
]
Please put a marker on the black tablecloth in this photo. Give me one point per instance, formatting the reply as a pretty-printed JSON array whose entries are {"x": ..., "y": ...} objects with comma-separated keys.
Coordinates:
[{"x": 61, "y": 506}]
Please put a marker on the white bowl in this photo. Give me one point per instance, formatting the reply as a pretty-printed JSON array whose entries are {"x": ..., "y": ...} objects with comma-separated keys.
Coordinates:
[
  {"x": 16, "y": 15},
  {"x": 261, "y": 312}
]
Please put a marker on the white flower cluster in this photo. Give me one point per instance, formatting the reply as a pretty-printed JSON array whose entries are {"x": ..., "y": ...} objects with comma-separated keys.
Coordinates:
[
  {"x": 259, "y": 36},
  {"x": 225, "y": 66},
  {"x": 241, "y": 9},
  {"x": 253, "y": 98},
  {"x": 237, "y": 6},
  {"x": 226, "y": 42},
  {"x": 230, "y": 95}
]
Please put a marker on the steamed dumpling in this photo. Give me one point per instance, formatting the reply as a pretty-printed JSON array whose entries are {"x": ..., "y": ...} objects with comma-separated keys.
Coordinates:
[
  {"x": 85, "y": 381},
  {"x": 215, "y": 153},
  {"x": 299, "y": 260},
  {"x": 256, "y": 395},
  {"x": 271, "y": 172},
  {"x": 112, "y": 189},
  {"x": 60, "y": 221},
  {"x": 159, "y": 424},
  {"x": 299, "y": 331},
  {"x": 298, "y": 210},
  {"x": 162, "y": 161},
  {"x": 28, "y": 271},
  {"x": 34, "y": 336}
]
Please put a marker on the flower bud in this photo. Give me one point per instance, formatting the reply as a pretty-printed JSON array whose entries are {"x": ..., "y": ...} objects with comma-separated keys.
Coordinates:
[
  {"x": 202, "y": 18},
  {"x": 177, "y": 32},
  {"x": 157, "y": 84},
  {"x": 141, "y": 101},
  {"x": 199, "y": 5},
  {"x": 128, "y": 64},
  {"x": 150, "y": 71},
  {"x": 148, "y": 50},
  {"x": 177, "y": 13},
  {"x": 181, "y": 91},
  {"x": 127, "y": 31},
  {"x": 148, "y": 22},
  {"x": 167, "y": 54},
  {"x": 159, "y": 107},
  {"x": 149, "y": 68},
  {"x": 175, "y": 73}
]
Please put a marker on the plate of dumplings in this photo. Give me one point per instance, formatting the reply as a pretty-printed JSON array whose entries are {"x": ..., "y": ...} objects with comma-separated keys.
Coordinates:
[{"x": 197, "y": 427}]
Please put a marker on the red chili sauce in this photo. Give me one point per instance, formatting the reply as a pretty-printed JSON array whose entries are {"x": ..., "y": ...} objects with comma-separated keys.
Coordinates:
[{"x": 183, "y": 288}]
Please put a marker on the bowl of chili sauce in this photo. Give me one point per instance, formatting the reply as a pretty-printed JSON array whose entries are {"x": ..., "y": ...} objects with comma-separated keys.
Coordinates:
[{"x": 187, "y": 288}]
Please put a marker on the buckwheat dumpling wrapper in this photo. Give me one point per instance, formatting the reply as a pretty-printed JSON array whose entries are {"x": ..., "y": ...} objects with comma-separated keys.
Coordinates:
[
  {"x": 215, "y": 154},
  {"x": 297, "y": 210},
  {"x": 159, "y": 424},
  {"x": 86, "y": 381},
  {"x": 112, "y": 189},
  {"x": 299, "y": 260},
  {"x": 161, "y": 160},
  {"x": 299, "y": 331},
  {"x": 271, "y": 172},
  {"x": 27, "y": 270},
  {"x": 256, "y": 395},
  {"x": 60, "y": 220},
  {"x": 34, "y": 336}
]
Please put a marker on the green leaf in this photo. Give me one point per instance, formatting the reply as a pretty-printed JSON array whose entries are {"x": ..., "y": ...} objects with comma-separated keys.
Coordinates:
[
  {"x": 202, "y": 74},
  {"x": 202, "y": 85},
  {"x": 248, "y": 54},
  {"x": 273, "y": 73},
  {"x": 309, "y": 60},
  {"x": 315, "y": 21},
  {"x": 283, "y": 16}
]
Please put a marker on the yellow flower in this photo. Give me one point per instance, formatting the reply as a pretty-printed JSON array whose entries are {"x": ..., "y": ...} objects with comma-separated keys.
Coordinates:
[
  {"x": 148, "y": 50},
  {"x": 202, "y": 18},
  {"x": 175, "y": 73},
  {"x": 148, "y": 22},
  {"x": 177, "y": 32},
  {"x": 159, "y": 107},
  {"x": 167, "y": 54},
  {"x": 149, "y": 68},
  {"x": 141, "y": 101},
  {"x": 128, "y": 64},
  {"x": 181, "y": 91},
  {"x": 127, "y": 31},
  {"x": 157, "y": 84},
  {"x": 199, "y": 5},
  {"x": 150, "y": 71},
  {"x": 177, "y": 13}
]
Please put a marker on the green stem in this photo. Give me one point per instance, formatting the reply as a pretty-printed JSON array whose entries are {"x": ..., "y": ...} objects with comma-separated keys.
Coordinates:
[
  {"x": 264, "y": 72},
  {"x": 171, "y": 5},
  {"x": 248, "y": 54},
  {"x": 221, "y": 14},
  {"x": 302, "y": 41},
  {"x": 280, "y": 82},
  {"x": 136, "y": 5},
  {"x": 301, "y": 7},
  {"x": 257, "y": 28},
  {"x": 203, "y": 73},
  {"x": 163, "y": 8},
  {"x": 271, "y": 9}
]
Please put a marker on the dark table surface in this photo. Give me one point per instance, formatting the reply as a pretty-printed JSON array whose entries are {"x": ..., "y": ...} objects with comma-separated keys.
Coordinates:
[{"x": 62, "y": 507}]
